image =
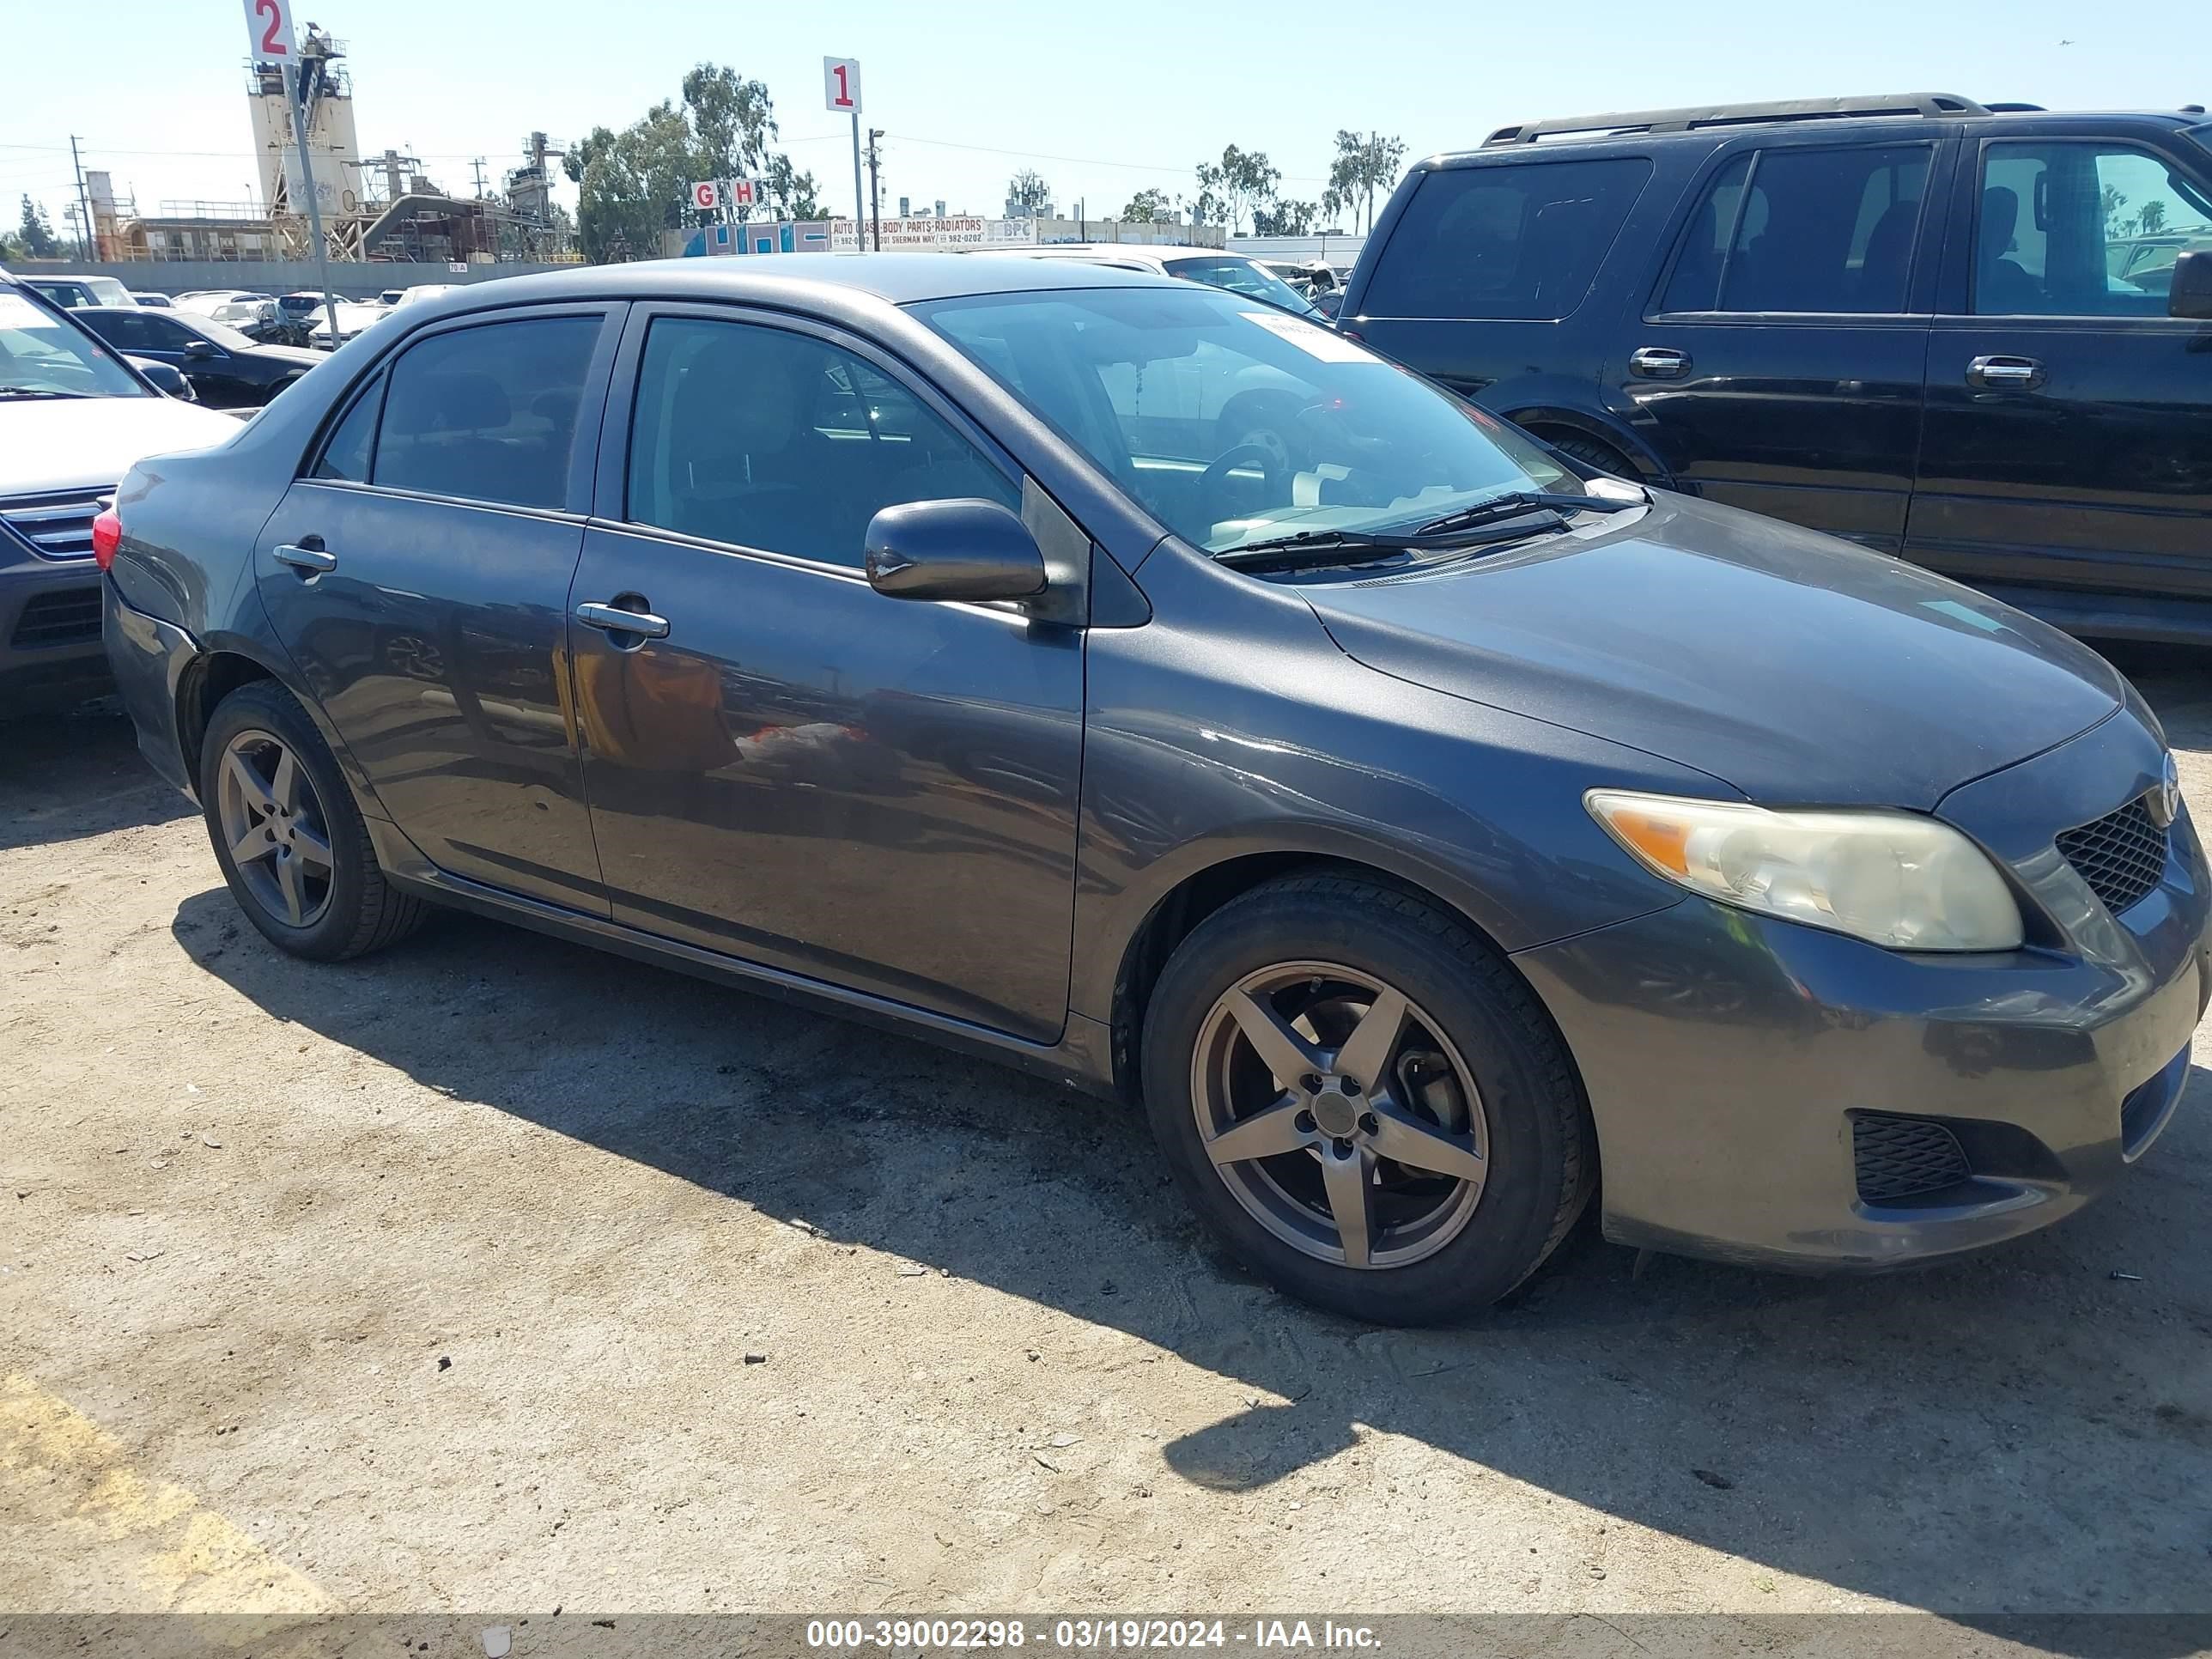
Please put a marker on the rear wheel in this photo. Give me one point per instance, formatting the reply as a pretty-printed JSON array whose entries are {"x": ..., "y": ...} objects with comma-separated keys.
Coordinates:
[
  {"x": 1366, "y": 1100},
  {"x": 291, "y": 843}
]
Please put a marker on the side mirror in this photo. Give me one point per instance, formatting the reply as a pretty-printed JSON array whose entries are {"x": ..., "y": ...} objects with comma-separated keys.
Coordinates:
[
  {"x": 2192, "y": 293},
  {"x": 165, "y": 377},
  {"x": 200, "y": 349},
  {"x": 953, "y": 550}
]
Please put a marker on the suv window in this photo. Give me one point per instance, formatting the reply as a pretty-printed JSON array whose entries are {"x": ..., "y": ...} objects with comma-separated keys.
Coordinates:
[
  {"x": 2082, "y": 230},
  {"x": 1804, "y": 230},
  {"x": 488, "y": 413},
  {"x": 1502, "y": 242},
  {"x": 761, "y": 438}
]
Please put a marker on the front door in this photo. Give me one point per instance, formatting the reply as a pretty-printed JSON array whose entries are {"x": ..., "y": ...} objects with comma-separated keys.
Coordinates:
[
  {"x": 2070, "y": 419},
  {"x": 419, "y": 576},
  {"x": 1778, "y": 365},
  {"x": 783, "y": 765}
]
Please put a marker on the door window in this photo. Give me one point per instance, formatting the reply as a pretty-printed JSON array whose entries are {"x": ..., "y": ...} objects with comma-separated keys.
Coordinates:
[
  {"x": 765, "y": 438},
  {"x": 1520, "y": 240},
  {"x": 2082, "y": 230},
  {"x": 1804, "y": 230},
  {"x": 353, "y": 444},
  {"x": 488, "y": 413},
  {"x": 125, "y": 332}
]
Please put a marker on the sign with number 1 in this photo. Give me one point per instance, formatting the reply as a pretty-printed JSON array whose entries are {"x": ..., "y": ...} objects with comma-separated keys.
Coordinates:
[
  {"x": 841, "y": 85},
  {"x": 269, "y": 26}
]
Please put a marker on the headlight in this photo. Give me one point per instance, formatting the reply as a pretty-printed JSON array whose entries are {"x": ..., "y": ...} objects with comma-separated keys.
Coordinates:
[{"x": 1895, "y": 879}]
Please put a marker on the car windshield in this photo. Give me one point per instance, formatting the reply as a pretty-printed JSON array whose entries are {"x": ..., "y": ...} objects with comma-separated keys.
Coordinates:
[
  {"x": 1233, "y": 423},
  {"x": 42, "y": 356},
  {"x": 1246, "y": 276}
]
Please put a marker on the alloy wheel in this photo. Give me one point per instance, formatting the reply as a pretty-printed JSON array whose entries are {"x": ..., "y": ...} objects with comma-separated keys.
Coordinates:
[
  {"x": 274, "y": 825},
  {"x": 1339, "y": 1115}
]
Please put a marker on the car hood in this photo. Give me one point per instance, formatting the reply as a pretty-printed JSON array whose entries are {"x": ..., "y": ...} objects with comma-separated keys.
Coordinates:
[
  {"x": 1796, "y": 667},
  {"x": 76, "y": 443}
]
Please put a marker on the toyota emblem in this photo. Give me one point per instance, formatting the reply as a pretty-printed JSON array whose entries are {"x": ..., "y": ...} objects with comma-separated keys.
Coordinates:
[{"x": 2166, "y": 800}]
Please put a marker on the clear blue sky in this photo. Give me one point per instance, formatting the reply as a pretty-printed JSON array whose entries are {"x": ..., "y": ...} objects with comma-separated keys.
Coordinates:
[{"x": 1103, "y": 100}]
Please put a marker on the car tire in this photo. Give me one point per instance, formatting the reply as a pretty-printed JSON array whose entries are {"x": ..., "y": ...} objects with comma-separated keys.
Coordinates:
[
  {"x": 296, "y": 854},
  {"x": 1523, "y": 1102},
  {"x": 1592, "y": 452}
]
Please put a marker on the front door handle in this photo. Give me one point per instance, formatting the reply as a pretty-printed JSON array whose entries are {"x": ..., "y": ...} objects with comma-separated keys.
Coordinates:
[
  {"x": 307, "y": 560},
  {"x": 619, "y": 619},
  {"x": 2005, "y": 374},
  {"x": 1659, "y": 362}
]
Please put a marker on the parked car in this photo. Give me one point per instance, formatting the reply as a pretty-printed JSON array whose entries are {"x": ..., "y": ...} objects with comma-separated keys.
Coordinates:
[
  {"x": 73, "y": 292},
  {"x": 1211, "y": 266},
  {"x": 1421, "y": 826},
  {"x": 257, "y": 316},
  {"x": 1891, "y": 320},
  {"x": 226, "y": 369},
  {"x": 73, "y": 416},
  {"x": 152, "y": 301},
  {"x": 353, "y": 317}
]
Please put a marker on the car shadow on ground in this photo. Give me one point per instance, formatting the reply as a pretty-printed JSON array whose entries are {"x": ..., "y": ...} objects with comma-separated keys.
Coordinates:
[
  {"x": 77, "y": 772},
  {"x": 2015, "y": 1432}
]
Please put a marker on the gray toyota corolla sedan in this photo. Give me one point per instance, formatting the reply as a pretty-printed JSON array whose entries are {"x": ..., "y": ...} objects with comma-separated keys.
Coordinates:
[{"x": 1132, "y": 682}]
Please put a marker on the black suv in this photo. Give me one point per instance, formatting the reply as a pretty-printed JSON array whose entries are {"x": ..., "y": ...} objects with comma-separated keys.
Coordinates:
[{"x": 1978, "y": 336}]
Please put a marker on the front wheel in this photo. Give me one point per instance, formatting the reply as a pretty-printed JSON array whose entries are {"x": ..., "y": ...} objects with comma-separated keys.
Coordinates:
[{"x": 1365, "y": 1101}]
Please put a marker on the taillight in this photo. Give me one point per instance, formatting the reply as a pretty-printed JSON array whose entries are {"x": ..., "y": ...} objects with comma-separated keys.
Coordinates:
[{"x": 106, "y": 537}]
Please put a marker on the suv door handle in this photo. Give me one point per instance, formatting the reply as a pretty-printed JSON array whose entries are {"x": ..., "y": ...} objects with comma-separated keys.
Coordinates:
[
  {"x": 1659, "y": 362},
  {"x": 307, "y": 560},
  {"x": 2005, "y": 374},
  {"x": 618, "y": 619}
]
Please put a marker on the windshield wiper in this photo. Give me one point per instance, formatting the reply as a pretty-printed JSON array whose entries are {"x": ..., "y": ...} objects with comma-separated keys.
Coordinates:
[
  {"x": 1515, "y": 502},
  {"x": 1308, "y": 549},
  {"x": 39, "y": 391}
]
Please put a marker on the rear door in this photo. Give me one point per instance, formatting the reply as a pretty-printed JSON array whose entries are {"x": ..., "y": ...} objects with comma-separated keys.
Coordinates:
[
  {"x": 418, "y": 572},
  {"x": 1777, "y": 365},
  {"x": 2069, "y": 439}
]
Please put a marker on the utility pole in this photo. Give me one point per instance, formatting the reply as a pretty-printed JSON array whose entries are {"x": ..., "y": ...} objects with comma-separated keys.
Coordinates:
[
  {"x": 295, "y": 94},
  {"x": 875, "y": 196},
  {"x": 83, "y": 202},
  {"x": 478, "y": 164}
]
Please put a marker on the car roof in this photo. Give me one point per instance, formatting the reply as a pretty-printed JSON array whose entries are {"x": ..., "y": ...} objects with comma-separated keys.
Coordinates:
[{"x": 783, "y": 278}]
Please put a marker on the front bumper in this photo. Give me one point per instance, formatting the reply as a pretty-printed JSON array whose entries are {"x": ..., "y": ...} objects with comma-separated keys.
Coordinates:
[
  {"x": 1727, "y": 1056},
  {"x": 148, "y": 657},
  {"x": 49, "y": 630}
]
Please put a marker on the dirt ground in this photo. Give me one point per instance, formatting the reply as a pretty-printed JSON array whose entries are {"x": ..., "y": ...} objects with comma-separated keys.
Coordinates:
[{"x": 493, "y": 1273}]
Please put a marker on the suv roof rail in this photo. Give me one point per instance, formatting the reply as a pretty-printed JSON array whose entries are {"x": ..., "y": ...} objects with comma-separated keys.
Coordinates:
[{"x": 1926, "y": 104}]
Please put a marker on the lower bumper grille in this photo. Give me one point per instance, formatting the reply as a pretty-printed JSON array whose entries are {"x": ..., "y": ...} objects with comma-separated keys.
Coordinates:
[
  {"x": 2122, "y": 856},
  {"x": 1898, "y": 1158},
  {"x": 67, "y": 616}
]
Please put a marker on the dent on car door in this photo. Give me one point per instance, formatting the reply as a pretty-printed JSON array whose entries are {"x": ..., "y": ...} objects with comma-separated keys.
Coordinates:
[
  {"x": 419, "y": 575},
  {"x": 784, "y": 765}
]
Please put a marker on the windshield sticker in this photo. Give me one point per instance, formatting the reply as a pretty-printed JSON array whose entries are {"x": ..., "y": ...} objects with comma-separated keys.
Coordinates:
[
  {"x": 1321, "y": 342},
  {"x": 17, "y": 312}
]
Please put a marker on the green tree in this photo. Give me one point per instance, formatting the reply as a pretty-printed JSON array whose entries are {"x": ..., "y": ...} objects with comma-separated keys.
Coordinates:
[
  {"x": 1285, "y": 218},
  {"x": 2110, "y": 201},
  {"x": 1364, "y": 163},
  {"x": 1231, "y": 190},
  {"x": 1146, "y": 206},
  {"x": 1028, "y": 189},
  {"x": 2150, "y": 218},
  {"x": 790, "y": 192},
  {"x": 35, "y": 236}
]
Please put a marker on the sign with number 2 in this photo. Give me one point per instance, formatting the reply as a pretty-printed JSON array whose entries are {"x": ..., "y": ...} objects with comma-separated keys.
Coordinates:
[{"x": 269, "y": 26}]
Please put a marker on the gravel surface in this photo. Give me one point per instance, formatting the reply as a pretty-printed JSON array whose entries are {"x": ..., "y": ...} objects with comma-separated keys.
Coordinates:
[{"x": 494, "y": 1273}]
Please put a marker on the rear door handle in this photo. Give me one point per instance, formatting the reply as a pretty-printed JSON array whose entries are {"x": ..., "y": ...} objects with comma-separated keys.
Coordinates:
[
  {"x": 1659, "y": 362},
  {"x": 2005, "y": 374},
  {"x": 616, "y": 619},
  {"x": 309, "y": 560}
]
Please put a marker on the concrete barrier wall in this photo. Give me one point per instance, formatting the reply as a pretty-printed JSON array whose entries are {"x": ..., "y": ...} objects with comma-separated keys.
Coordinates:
[{"x": 349, "y": 282}]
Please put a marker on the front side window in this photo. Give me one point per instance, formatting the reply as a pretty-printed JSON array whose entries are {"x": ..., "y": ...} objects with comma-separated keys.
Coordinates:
[
  {"x": 1229, "y": 422},
  {"x": 43, "y": 356},
  {"x": 761, "y": 438},
  {"x": 1522, "y": 240},
  {"x": 1825, "y": 231},
  {"x": 2082, "y": 230},
  {"x": 488, "y": 413}
]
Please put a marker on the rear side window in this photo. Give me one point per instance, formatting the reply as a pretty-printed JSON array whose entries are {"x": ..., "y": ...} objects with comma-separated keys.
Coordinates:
[
  {"x": 1504, "y": 242},
  {"x": 488, "y": 413},
  {"x": 1804, "y": 230},
  {"x": 353, "y": 444}
]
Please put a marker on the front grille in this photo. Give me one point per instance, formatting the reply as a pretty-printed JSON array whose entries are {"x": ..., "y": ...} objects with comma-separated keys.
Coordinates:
[
  {"x": 67, "y": 616},
  {"x": 1898, "y": 1158},
  {"x": 2122, "y": 856},
  {"x": 57, "y": 526}
]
